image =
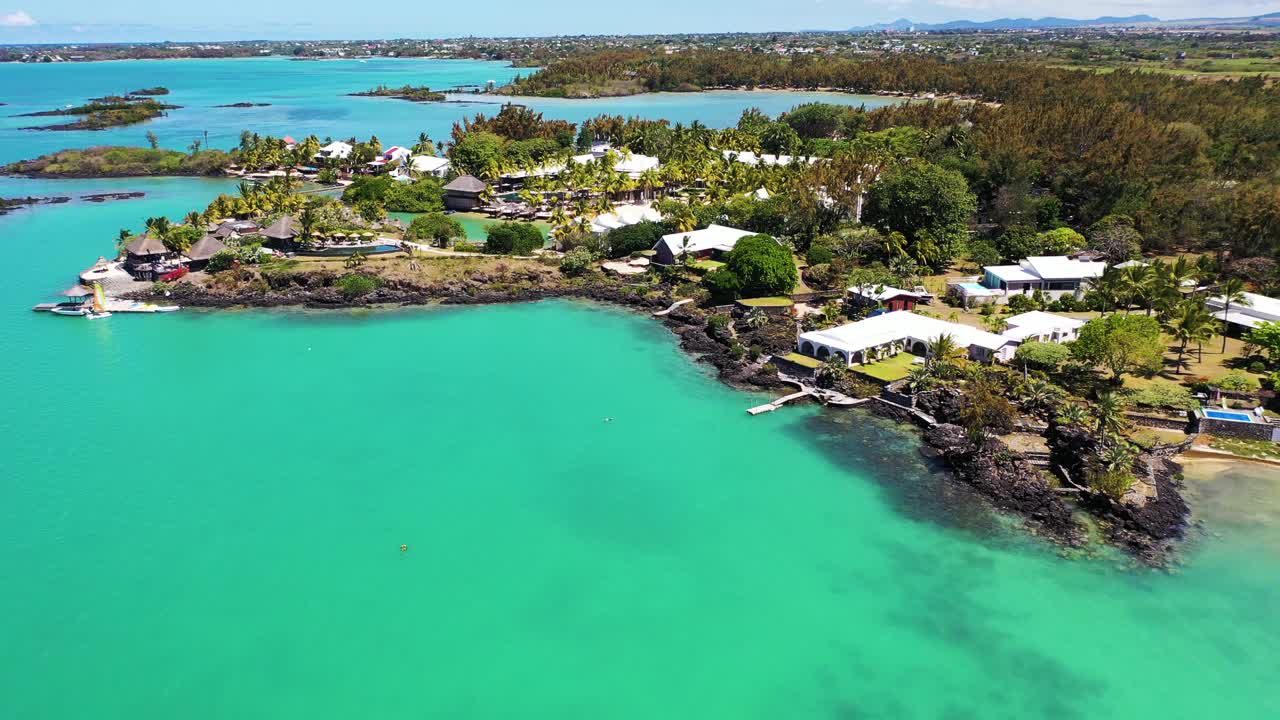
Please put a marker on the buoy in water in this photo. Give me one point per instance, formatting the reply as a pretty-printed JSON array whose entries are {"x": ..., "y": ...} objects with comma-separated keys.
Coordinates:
[{"x": 404, "y": 548}]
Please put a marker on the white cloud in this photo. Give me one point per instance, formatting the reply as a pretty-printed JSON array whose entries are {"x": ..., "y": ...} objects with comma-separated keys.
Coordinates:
[{"x": 17, "y": 18}]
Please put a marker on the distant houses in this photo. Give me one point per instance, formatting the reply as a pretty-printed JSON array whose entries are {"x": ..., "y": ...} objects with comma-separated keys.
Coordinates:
[
  {"x": 429, "y": 165},
  {"x": 146, "y": 258},
  {"x": 390, "y": 159},
  {"x": 711, "y": 241},
  {"x": 335, "y": 151},
  {"x": 1242, "y": 317},
  {"x": 203, "y": 250}
]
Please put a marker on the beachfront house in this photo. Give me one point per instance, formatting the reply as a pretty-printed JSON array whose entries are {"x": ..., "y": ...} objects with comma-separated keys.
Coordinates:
[
  {"x": 888, "y": 297},
  {"x": 1054, "y": 276},
  {"x": 146, "y": 258},
  {"x": 463, "y": 193},
  {"x": 1243, "y": 317},
  {"x": 888, "y": 334},
  {"x": 429, "y": 165},
  {"x": 712, "y": 241},
  {"x": 335, "y": 151},
  {"x": 203, "y": 250}
]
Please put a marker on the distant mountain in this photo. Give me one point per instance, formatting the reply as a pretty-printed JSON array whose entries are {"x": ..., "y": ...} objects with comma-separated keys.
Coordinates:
[{"x": 1005, "y": 24}]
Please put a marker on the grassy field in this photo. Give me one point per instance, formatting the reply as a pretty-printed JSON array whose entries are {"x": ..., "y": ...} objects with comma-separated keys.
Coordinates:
[
  {"x": 767, "y": 302},
  {"x": 888, "y": 370}
]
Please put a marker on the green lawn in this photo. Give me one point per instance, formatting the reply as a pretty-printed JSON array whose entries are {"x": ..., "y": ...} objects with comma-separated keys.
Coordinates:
[
  {"x": 888, "y": 370},
  {"x": 706, "y": 265},
  {"x": 802, "y": 360},
  {"x": 766, "y": 302},
  {"x": 1247, "y": 448}
]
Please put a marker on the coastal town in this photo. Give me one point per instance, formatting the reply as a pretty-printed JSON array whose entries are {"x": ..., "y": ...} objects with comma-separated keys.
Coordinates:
[
  {"x": 445, "y": 375},
  {"x": 1065, "y": 377}
]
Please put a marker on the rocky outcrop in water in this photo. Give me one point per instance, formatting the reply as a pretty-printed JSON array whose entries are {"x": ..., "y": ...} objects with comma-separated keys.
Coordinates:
[{"x": 1007, "y": 480}]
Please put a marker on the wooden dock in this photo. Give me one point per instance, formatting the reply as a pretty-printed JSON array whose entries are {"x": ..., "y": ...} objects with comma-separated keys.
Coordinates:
[{"x": 770, "y": 407}]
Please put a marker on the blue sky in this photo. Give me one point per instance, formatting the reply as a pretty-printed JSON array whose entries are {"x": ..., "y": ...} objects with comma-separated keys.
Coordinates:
[{"x": 153, "y": 20}]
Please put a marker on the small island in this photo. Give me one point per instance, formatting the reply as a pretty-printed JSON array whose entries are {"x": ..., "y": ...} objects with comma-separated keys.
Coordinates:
[
  {"x": 116, "y": 161},
  {"x": 103, "y": 113},
  {"x": 406, "y": 92},
  {"x": 243, "y": 105}
]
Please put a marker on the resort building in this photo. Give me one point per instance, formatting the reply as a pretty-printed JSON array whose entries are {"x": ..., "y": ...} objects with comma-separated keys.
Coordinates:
[
  {"x": 282, "y": 231},
  {"x": 232, "y": 229},
  {"x": 622, "y": 216},
  {"x": 1037, "y": 326},
  {"x": 1244, "y": 316},
  {"x": 749, "y": 158},
  {"x": 146, "y": 258},
  {"x": 890, "y": 298},
  {"x": 711, "y": 241},
  {"x": 429, "y": 165},
  {"x": 464, "y": 192},
  {"x": 1054, "y": 276},
  {"x": 335, "y": 151},
  {"x": 630, "y": 164},
  {"x": 888, "y": 334},
  {"x": 199, "y": 254}
]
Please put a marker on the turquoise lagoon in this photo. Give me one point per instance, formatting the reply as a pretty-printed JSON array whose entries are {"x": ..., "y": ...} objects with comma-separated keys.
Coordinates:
[{"x": 201, "y": 516}]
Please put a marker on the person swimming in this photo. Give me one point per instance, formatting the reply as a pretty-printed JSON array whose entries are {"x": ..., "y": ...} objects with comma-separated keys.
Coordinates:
[{"x": 404, "y": 548}]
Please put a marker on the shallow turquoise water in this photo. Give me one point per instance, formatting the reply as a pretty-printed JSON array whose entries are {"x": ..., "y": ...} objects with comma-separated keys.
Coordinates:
[
  {"x": 311, "y": 97},
  {"x": 201, "y": 514}
]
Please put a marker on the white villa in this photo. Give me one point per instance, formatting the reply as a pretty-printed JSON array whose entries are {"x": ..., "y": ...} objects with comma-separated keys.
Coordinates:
[
  {"x": 1242, "y": 317},
  {"x": 335, "y": 151},
  {"x": 429, "y": 165},
  {"x": 888, "y": 334},
  {"x": 393, "y": 157},
  {"x": 1037, "y": 326},
  {"x": 711, "y": 240},
  {"x": 749, "y": 158},
  {"x": 885, "y": 335},
  {"x": 1053, "y": 275}
]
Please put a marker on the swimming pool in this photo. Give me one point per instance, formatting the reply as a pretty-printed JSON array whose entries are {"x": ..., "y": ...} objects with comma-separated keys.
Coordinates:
[
  {"x": 974, "y": 287},
  {"x": 1224, "y": 415}
]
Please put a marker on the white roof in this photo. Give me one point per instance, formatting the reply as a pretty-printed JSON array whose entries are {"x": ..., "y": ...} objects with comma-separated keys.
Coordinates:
[
  {"x": 622, "y": 216},
  {"x": 428, "y": 163},
  {"x": 881, "y": 292},
  {"x": 713, "y": 237},
  {"x": 1259, "y": 307},
  {"x": 1011, "y": 273},
  {"x": 629, "y": 163},
  {"x": 1036, "y": 322},
  {"x": 1239, "y": 318},
  {"x": 760, "y": 194},
  {"x": 336, "y": 149},
  {"x": 1060, "y": 267},
  {"x": 1132, "y": 263},
  {"x": 894, "y": 326},
  {"x": 750, "y": 158}
]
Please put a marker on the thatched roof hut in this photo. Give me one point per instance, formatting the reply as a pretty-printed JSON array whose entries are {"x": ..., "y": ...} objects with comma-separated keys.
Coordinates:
[
  {"x": 77, "y": 291},
  {"x": 146, "y": 246},
  {"x": 205, "y": 248},
  {"x": 282, "y": 229}
]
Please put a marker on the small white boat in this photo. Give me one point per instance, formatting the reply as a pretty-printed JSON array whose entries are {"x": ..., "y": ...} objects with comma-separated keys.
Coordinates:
[
  {"x": 72, "y": 311},
  {"x": 97, "y": 315}
]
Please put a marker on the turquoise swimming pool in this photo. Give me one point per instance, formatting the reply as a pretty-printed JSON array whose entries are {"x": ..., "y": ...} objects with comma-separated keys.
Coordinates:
[{"x": 1226, "y": 415}]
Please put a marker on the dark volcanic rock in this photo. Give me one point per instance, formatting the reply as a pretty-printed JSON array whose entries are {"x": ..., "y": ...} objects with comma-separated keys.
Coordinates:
[{"x": 1007, "y": 480}]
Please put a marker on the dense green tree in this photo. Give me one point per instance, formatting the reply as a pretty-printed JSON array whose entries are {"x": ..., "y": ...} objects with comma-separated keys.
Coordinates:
[
  {"x": 762, "y": 266},
  {"x": 1122, "y": 344},
  {"x": 435, "y": 228},
  {"x": 476, "y": 152},
  {"x": 633, "y": 238},
  {"x": 1043, "y": 356},
  {"x": 930, "y": 205},
  {"x": 513, "y": 238}
]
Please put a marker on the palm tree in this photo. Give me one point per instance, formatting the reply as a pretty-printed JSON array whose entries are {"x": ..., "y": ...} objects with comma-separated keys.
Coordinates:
[
  {"x": 1073, "y": 414},
  {"x": 1111, "y": 286},
  {"x": 1231, "y": 291},
  {"x": 355, "y": 260},
  {"x": 1108, "y": 411},
  {"x": 1119, "y": 456},
  {"x": 1189, "y": 322},
  {"x": 1037, "y": 395},
  {"x": 943, "y": 354},
  {"x": 920, "y": 379},
  {"x": 1138, "y": 283}
]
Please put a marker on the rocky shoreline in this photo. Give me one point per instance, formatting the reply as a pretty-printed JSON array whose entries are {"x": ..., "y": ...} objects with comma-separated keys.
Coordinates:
[{"x": 1003, "y": 476}]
